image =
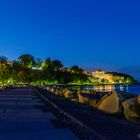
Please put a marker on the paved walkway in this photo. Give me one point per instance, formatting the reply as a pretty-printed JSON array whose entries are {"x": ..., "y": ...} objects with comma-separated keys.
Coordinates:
[{"x": 22, "y": 119}]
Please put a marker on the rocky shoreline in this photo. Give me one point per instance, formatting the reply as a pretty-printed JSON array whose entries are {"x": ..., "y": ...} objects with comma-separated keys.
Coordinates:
[
  {"x": 110, "y": 126},
  {"x": 110, "y": 102}
]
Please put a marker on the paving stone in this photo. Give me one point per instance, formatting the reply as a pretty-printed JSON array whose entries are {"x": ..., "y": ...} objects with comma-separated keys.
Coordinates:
[{"x": 21, "y": 118}]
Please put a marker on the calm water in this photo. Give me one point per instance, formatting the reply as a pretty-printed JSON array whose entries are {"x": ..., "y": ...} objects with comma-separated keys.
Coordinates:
[{"x": 135, "y": 89}]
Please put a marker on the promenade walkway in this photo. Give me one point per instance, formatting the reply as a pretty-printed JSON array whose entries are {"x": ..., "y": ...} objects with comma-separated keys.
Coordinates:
[{"x": 21, "y": 118}]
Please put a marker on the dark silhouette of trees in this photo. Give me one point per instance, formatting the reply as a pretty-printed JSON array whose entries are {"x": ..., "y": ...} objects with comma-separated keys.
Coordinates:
[
  {"x": 63, "y": 77},
  {"x": 57, "y": 65},
  {"x": 27, "y": 60},
  {"x": 76, "y": 69},
  {"x": 3, "y": 59}
]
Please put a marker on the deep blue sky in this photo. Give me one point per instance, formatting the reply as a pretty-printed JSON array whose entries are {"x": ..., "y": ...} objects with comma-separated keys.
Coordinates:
[{"x": 95, "y": 34}]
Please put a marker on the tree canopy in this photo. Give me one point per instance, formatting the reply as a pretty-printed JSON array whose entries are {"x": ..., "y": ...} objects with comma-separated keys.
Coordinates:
[
  {"x": 28, "y": 69},
  {"x": 27, "y": 60}
]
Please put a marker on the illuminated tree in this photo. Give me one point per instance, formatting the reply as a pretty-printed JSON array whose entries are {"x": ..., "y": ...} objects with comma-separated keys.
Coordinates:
[
  {"x": 16, "y": 68},
  {"x": 27, "y": 60},
  {"x": 20, "y": 74},
  {"x": 5, "y": 72},
  {"x": 129, "y": 80},
  {"x": 103, "y": 81},
  {"x": 23, "y": 76},
  {"x": 43, "y": 65},
  {"x": 46, "y": 64}
]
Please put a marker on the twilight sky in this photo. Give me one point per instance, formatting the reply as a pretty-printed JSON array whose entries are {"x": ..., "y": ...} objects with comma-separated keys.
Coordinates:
[{"x": 95, "y": 34}]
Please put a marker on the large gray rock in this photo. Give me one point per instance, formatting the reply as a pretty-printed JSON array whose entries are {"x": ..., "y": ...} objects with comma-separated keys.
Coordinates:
[
  {"x": 132, "y": 108},
  {"x": 68, "y": 93},
  {"x": 138, "y": 99},
  {"x": 101, "y": 100},
  {"x": 82, "y": 99},
  {"x": 110, "y": 104}
]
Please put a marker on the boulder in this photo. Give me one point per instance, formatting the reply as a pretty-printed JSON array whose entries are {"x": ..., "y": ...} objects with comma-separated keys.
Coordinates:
[
  {"x": 109, "y": 104},
  {"x": 68, "y": 93},
  {"x": 101, "y": 100},
  {"x": 63, "y": 91},
  {"x": 132, "y": 108},
  {"x": 85, "y": 92},
  {"x": 93, "y": 103},
  {"x": 57, "y": 91},
  {"x": 52, "y": 89},
  {"x": 138, "y": 99},
  {"x": 83, "y": 99},
  {"x": 60, "y": 91}
]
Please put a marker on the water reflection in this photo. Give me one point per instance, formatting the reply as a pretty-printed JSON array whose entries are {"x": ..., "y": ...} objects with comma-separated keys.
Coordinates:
[
  {"x": 108, "y": 88},
  {"x": 121, "y": 88},
  {"x": 104, "y": 88}
]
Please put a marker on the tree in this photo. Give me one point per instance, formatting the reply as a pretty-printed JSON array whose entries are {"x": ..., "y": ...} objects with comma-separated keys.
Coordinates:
[
  {"x": 5, "y": 72},
  {"x": 48, "y": 61},
  {"x": 103, "y": 81},
  {"x": 76, "y": 69},
  {"x": 23, "y": 77},
  {"x": 46, "y": 64},
  {"x": 50, "y": 65},
  {"x": 63, "y": 77},
  {"x": 57, "y": 65},
  {"x": 16, "y": 68},
  {"x": 27, "y": 60},
  {"x": 129, "y": 80},
  {"x": 43, "y": 65},
  {"x": 20, "y": 74},
  {"x": 3, "y": 59}
]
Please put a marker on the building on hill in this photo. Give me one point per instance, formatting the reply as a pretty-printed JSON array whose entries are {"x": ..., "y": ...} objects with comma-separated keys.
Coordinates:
[
  {"x": 112, "y": 77},
  {"x": 102, "y": 75}
]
